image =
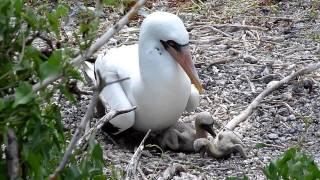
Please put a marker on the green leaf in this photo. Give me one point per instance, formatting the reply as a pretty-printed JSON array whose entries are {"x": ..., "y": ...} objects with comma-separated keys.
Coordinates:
[
  {"x": 62, "y": 10},
  {"x": 233, "y": 178},
  {"x": 54, "y": 23},
  {"x": 31, "y": 18},
  {"x": 72, "y": 172},
  {"x": 2, "y": 105},
  {"x": 238, "y": 178},
  {"x": 73, "y": 72},
  {"x": 99, "y": 177},
  {"x": 84, "y": 27},
  {"x": 97, "y": 152},
  {"x": 55, "y": 111},
  {"x": 260, "y": 145},
  {"x": 3, "y": 170},
  {"x": 34, "y": 160},
  {"x": 18, "y": 7},
  {"x": 64, "y": 90},
  {"x": 111, "y": 2},
  {"x": 271, "y": 171},
  {"x": 23, "y": 95},
  {"x": 52, "y": 67},
  {"x": 5, "y": 7},
  {"x": 34, "y": 54},
  {"x": 293, "y": 164}
]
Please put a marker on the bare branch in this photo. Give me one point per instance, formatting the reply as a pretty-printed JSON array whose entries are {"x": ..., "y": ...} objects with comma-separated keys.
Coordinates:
[
  {"x": 273, "y": 85},
  {"x": 12, "y": 155},
  {"x": 132, "y": 166}
]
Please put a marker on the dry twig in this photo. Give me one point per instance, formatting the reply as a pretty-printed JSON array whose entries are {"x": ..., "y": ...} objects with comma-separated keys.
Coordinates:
[
  {"x": 273, "y": 85},
  {"x": 143, "y": 176},
  {"x": 221, "y": 61},
  {"x": 217, "y": 31},
  {"x": 132, "y": 166},
  {"x": 172, "y": 170},
  {"x": 253, "y": 89},
  {"x": 239, "y": 26}
]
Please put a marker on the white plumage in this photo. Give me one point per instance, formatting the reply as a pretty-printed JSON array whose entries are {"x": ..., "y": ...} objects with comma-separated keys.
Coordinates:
[{"x": 157, "y": 67}]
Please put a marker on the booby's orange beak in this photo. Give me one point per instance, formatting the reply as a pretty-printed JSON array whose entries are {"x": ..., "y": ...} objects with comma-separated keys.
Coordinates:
[{"x": 182, "y": 55}]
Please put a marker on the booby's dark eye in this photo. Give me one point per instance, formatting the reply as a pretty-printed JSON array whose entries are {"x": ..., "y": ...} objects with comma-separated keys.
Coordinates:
[{"x": 172, "y": 44}]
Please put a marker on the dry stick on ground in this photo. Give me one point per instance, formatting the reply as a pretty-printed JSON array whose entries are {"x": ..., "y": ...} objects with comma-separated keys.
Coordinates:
[
  {"x": 217, "y": 31},
  {"x": 240, "y": 26},
  {"x": 253, "y": 89},
  {"x": 268, "y": 145},
  {"x": 221, "y": 61},
  {"x": 143, "y": 176},
  {"x": 12, "y": 155},
  {"x": 132, "y": 166},
  {"x": 273, "y": 85},
  {"x": 112, "y": 114},
  {"x": 93, "y": 48}
]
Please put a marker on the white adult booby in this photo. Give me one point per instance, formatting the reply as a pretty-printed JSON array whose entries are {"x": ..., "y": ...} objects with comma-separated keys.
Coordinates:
[{"x": 160, "y": 69}]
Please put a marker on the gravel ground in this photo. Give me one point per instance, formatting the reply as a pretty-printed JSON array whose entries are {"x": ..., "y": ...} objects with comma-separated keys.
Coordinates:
[{"x": 238, "y": 48}]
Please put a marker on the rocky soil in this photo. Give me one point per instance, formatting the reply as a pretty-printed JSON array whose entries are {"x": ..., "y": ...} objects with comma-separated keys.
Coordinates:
[{"x": 238, "y": 48}]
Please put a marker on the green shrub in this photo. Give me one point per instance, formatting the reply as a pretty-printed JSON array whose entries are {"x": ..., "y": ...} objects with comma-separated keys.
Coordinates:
[
  {"x": 293, "y": 164},
  {"x": 35, "y": 116}
]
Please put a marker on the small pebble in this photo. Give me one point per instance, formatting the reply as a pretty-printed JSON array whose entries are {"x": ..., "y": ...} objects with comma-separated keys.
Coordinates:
[
  {"x": 292, "y": 130},
  {"x": 283, "y": 139},
  {"x": 273, "y": 136},
  {"x": 291, "y": 117},
  {"x": 181, "y": 155},
  {"x": 283, "y": 111}
]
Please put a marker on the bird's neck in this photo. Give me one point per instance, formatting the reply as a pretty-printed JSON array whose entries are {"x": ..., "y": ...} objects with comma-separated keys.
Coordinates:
[
  {"x": 200, "y": 133},
  {"x": 214, "y": 150}
]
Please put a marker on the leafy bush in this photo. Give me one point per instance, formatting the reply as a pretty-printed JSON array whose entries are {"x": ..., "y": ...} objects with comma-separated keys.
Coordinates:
[
  {"x": 293, "y": 164},
  {"x": 35, "y": 116}
]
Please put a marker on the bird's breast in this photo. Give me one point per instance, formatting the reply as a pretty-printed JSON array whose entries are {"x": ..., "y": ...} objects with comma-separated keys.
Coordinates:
[{"x": 161, "y": 101}]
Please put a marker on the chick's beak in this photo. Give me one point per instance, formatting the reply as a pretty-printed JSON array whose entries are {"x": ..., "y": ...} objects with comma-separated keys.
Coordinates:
[
  {"x": 209, "y": 129},
  {"x": 183, "y": 56}
]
